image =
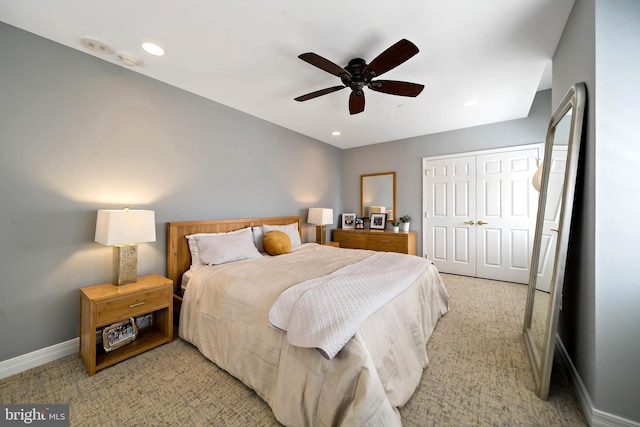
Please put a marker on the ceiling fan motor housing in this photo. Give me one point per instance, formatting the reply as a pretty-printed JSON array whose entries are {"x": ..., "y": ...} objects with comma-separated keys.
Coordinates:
[
  {"x": 359, "y": 78},
  {"x": 358, "y": 74}
]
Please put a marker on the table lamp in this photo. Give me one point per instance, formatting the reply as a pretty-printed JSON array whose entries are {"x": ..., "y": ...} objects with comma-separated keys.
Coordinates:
[
  {"x": 124, "y": 229},
  {"x": 321, "y": 217}
]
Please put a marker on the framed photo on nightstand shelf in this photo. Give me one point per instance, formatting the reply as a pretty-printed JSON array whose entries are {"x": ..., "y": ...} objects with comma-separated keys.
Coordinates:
[
  {"x": 378, "y": 221},
  {"x": 119, "y": 334}
]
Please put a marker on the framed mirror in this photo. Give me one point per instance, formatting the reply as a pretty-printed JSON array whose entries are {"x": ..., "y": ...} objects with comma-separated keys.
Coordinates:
[
  {"x": 557, "y": 188},
  {"x": 378, "y": 194}
]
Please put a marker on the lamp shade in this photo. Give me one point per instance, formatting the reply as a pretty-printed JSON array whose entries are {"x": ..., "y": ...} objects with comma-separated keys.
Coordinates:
[
  {"x": 320, "y": 216},
  {"x": 537, "y": 178},
  {"x": 377, "y": 209},
  {"x": 125, "y": 227}
]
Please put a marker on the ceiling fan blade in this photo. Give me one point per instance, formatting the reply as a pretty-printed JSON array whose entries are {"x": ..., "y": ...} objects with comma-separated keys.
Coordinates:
[
  {"x": 394, "y": 87},
  {"x": 318, "y": 93},
  {"x": 356, "y": 102},
  {"x": 323, "y": 64},
  {"x": 392, "y": 57}
]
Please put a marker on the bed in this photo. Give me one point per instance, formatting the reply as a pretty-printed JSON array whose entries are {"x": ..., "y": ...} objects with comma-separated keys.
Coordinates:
[{"x": 227, "y": 312}]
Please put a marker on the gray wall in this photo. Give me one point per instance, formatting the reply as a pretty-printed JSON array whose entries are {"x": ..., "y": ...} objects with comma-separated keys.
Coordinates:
[
  {"x": 405, "y": 157},
  {"x": 574, "y": 61},
  {"x": 78, "y": 134},
  {"x": 599, "y": 324},
  {"x": 618, "y": 207}
]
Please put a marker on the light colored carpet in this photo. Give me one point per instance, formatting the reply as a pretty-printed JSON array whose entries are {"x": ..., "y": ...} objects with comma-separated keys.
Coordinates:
[{"x": 478, "y": 375}]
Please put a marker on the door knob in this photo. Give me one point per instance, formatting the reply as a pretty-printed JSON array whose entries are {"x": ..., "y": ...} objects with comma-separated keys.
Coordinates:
[
  {"x": 555, "y": 229},
  {"x": 482, "y": 223},
  {"x": 469, "y": 222}
]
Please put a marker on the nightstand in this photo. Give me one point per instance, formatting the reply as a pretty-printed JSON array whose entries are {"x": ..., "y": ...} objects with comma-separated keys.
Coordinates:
[
  {"x": 105, "y": 304},
  {"x": 334, "y": 244}
]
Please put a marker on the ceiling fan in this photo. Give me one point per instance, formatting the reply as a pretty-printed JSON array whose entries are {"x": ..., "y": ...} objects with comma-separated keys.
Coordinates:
[{"x": 358, "y": 74}]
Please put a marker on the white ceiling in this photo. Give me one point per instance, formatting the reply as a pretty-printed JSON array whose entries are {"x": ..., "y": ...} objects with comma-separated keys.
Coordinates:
[{"x": 244, "y": 54}]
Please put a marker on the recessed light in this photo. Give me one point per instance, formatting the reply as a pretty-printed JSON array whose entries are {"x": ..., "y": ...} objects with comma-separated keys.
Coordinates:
[
  {"x": 153, "y": 49},
  {"x": 470, "y": 103},
  {"x": 336, "y": 133}
]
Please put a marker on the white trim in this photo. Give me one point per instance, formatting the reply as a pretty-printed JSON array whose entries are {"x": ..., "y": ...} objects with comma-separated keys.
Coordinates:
[
  {"x": 538, "y": 145},
  {"x": 39, "y": 357},
  {"x": 595, "y": 417},
  {"x": 603, "y": 419}
]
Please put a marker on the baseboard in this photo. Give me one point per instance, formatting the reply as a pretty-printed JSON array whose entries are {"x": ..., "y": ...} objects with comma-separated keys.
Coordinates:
[
  {"x": 39, "y": 357},
  {"x": 603, "y": 419},
  {"x": 595, "y": 417}
]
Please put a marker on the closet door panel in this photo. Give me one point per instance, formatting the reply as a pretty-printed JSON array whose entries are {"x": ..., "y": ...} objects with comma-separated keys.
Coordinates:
[
  {"x": 450, "y": 206},
  {"x": 507, "y": 207}
]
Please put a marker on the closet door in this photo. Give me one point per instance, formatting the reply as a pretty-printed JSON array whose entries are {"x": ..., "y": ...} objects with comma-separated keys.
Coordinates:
[
  {"x": 480, "y": 212},
  {"x": 506, "y": 214},
  {"x": 450, "y": 203}
]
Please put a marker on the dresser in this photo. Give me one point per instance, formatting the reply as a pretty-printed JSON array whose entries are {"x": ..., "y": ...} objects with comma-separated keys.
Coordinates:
[{"x": 377, "y": 240}]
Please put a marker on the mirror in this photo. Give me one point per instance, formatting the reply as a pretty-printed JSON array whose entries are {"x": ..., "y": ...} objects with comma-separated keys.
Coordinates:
[
  {"x": 546, "y": 277},
  {"x": 378, "y": 190}
]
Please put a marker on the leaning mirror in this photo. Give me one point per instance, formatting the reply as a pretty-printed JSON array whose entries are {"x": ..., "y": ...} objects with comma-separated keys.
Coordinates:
[
  {"x": 557, "y": 187},
  {"x": 378, "y": 194}
]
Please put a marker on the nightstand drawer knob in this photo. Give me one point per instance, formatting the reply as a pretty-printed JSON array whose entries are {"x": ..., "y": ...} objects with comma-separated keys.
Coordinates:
[{"x": 137, "y": 304}]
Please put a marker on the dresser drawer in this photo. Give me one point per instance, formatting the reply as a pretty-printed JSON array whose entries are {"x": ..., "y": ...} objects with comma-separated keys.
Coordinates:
[
  {"x": 134, "y": 304},
  {"x": 350, "y": 240},
  {"x": 377, "y": 240},
  {"x": 388, "y": 242}
]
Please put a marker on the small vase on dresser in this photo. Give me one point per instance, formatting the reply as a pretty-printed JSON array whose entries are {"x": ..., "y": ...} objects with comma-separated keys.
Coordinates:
[{"x": 406, "y": 222}]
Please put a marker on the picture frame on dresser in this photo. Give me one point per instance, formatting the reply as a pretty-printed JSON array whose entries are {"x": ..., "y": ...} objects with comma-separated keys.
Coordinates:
[
  {"x": 348, "y": 221},
  {"x": 378, "y": 221}
]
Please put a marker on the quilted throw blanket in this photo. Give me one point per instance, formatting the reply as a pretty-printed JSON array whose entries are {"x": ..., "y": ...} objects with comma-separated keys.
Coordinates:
[{"x": 325, "y": 312}]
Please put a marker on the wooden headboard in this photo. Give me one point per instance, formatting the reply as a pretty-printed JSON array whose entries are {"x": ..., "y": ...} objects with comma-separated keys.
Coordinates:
[{"x": 178, "y": 255}]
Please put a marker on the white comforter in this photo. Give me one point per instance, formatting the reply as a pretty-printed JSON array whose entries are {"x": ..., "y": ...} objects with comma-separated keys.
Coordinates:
[{"x": 225, "y": 313}]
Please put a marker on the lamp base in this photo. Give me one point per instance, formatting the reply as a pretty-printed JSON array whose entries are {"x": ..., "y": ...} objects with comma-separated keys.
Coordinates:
[
  {"x": 321, "y": 234},
  {"x": 125, "y": 264}
]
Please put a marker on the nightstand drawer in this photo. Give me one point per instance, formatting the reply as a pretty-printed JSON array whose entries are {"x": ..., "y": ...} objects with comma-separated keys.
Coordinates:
[{"x": 131, "y": 305}]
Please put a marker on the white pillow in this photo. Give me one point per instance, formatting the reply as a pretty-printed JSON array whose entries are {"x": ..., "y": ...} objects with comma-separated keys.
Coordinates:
[
  {"x": 291, "y": 230},
  {"x": 193, "y": 246},
  {"x": 258, "y": 235},
  {"x": 229, "y": 247}
]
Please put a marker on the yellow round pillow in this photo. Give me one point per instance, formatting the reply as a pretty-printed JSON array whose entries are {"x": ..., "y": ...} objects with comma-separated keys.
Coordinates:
[{"x": 276, "y": 243}]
